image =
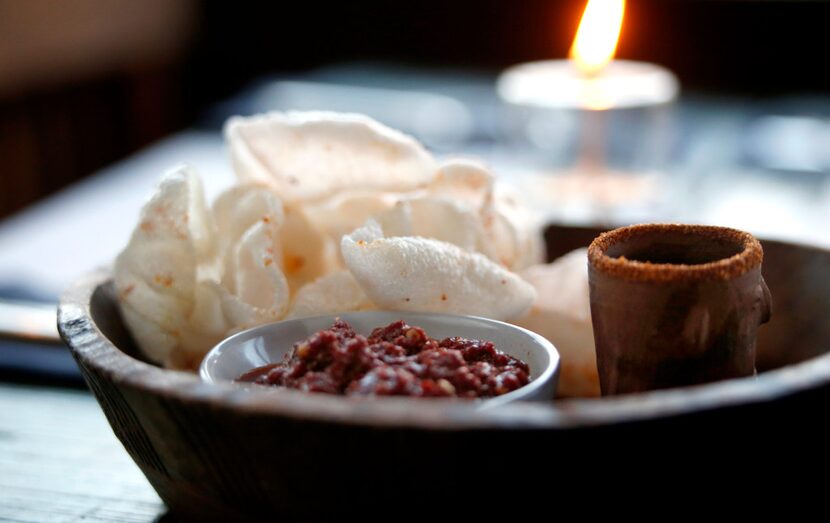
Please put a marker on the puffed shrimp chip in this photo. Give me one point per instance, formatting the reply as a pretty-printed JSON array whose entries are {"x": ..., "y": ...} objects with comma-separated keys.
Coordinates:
[
  {"x": 432, "y": 217},
  {"x": 515, "y": 230},
  {"x": 155, "y": 275},
  {"x": 507, "y": 231},
  {"x": 308, "y": 252},
  {"x": 422, "y": 274},
  {"x": 249, "y": 220},
  {"x": 308, "y": 156},
  {"x": 464, "y": 180},
  {"x": 348, "y": 210},
  {"x": 562, "y": 314},
  {"x": 179, "y": 294},
  {"x": 333, "y": 293},
  {"x": 235, "y": 211}
]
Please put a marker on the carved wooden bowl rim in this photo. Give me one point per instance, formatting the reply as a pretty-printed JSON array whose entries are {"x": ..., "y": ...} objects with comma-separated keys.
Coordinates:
[{"x": 100, "y": 356}]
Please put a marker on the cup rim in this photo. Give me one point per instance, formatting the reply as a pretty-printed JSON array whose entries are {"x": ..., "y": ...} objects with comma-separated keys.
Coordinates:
[{"x": 750, "y": 256}]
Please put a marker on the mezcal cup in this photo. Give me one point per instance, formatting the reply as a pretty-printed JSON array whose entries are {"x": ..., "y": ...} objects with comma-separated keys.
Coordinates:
[{"x": 675, "y": 305}]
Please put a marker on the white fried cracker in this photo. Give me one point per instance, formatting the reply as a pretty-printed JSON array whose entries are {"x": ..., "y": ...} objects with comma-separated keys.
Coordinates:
[
  {"x": 562, "y": 314},
  {"x": 311, "y": 155},
  {"x": 422, "y": 274},
  {"x": 334, "y": 293}
]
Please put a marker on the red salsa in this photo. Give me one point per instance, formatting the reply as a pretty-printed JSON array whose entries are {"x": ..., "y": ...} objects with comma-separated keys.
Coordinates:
[{"x": 396, "y": 360}]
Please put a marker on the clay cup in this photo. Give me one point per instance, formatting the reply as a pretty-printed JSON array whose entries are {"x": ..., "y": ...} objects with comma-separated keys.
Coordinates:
[{"x": 675, "y": 305}]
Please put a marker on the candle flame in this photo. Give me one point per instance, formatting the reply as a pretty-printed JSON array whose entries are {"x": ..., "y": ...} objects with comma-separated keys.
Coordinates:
[{"x": 596, "y": 38}]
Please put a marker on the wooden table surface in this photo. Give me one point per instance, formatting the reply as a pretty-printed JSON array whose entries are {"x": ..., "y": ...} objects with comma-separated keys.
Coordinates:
[{"x": 60, "y": 461}]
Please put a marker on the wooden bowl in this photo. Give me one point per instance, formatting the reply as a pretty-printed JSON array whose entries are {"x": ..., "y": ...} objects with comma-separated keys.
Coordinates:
[{"x": 219, "y": 452}]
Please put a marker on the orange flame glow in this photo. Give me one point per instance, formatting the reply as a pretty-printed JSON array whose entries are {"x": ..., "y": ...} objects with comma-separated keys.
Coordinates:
[{"x": 596, "y": 38}]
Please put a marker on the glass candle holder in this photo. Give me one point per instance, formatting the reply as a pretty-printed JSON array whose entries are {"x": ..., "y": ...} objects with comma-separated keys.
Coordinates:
[{"x": 593, "y": 147}]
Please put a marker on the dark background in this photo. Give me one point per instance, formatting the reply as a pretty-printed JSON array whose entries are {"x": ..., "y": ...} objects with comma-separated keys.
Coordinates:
[{"x": 86, "y": 82}]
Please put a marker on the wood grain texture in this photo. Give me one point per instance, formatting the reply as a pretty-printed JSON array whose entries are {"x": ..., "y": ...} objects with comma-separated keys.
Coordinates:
[{"x": 223, "y": 451}]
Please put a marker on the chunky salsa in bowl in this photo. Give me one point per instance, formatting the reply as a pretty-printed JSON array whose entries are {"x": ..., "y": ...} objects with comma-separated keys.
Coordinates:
[
  {"x": 377, "y": 353},
  {"x": 395, "y": 360}
]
